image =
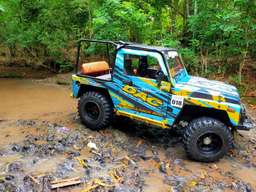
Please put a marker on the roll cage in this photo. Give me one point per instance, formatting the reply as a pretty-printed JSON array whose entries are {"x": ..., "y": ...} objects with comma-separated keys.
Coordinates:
[{"x": 163, "y": 51}]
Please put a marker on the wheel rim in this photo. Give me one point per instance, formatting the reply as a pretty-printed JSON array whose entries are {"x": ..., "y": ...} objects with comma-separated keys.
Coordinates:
[
  {"x": 92, "y": 110},
  {"x": 209, "y": 143}
]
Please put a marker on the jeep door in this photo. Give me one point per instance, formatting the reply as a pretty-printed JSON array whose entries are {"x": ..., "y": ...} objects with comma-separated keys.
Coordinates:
[{"x": 140, "y": 92}]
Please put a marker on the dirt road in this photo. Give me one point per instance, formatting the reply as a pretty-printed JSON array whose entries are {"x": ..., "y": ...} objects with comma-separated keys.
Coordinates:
[{"x": 42, "y": 140}]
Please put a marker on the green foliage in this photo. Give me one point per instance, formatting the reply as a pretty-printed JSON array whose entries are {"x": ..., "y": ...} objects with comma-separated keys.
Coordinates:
[
  {"x": 191, "y": 60},
  {"x": 121, "y": 20},
  {"x": 205, "y": 31},
  {"x": 1, "y": 8},
  {"x": 224, "y": 27},
  {"x": 234, "y": 79},
  {"x": 65, "y": 66}
]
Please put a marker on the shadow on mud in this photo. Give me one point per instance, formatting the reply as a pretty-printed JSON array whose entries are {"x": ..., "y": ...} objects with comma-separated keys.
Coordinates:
[{"x": 154, "y": 135}]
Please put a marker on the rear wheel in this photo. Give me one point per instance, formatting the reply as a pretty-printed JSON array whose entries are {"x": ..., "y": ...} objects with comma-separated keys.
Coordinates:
[
  {"x": 95, "y": 110},
  {"x": 207, "y": 139}
]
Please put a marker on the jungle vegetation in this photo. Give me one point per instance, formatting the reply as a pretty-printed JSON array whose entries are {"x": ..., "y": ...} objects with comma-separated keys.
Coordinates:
[{"x": 214, "y": 36}]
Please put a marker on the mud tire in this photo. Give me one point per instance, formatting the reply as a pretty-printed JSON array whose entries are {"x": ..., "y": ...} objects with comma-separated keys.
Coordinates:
[
  {"x": 197, "y": 130},
  {"x": 104, "y": 110}
]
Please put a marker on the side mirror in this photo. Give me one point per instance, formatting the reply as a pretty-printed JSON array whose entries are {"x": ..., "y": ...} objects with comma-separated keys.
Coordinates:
[
  {"x": 162, "y": 82},
  {"x": 159, "y": 77}
]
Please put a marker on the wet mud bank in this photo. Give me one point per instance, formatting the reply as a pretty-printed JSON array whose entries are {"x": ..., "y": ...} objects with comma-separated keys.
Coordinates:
[{"x": 44, "y": 147}]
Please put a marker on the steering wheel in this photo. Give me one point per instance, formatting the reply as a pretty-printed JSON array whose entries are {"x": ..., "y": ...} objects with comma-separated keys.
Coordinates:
[{"x": 159, "y": 74}]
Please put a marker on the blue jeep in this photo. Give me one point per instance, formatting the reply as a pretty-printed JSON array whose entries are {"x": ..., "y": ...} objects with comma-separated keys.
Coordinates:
[{"x": 151, "y": 84}]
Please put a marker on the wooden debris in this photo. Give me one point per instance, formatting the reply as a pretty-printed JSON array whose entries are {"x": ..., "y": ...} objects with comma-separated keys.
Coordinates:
[
  {"x": 126, "y": 160},
  {"x": 253, "y": 140},
  {"x": 115, "y": 176},
  {"x": 140, "y": 142},
  {"x": 34, "y": 179},
  {"x": 96, "y": 153},
  {"x": 94, "y": 184},
  {"x": 65, "y": 182},
  {"x": 82, "y": 162}
]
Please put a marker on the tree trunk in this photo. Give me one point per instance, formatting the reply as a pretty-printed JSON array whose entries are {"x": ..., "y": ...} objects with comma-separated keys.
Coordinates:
[
  {"x": 187, "y": 8},
  {"x": 173, "y": 13},
  {"x": 204, "y": 61},
  {"x": 12, "y": 53},
  {"x": 244, "y": 55},
  {"x": 90, "y": 22},
  {"x": 241, "y": 66},
  {"x": 195, "y": 7}
]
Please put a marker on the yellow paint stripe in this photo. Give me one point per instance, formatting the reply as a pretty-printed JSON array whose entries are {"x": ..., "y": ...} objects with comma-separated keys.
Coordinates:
[
  {"x": 145, "y": 119},
  {"x": 148, "y": 81},
  {"x": 234, "y": 116},
  {"x": 80, "y": 79},
  {"x": 123, "y": 102}
]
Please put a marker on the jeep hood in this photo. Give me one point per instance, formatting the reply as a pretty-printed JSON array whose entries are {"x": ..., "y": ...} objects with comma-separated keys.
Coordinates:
[{"x": 199, "y": 87}]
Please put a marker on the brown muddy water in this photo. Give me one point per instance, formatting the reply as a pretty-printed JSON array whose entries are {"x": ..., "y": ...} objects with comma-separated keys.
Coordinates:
[
  {"x": 32, "y": 99},
  {"x": 41, "y": 136}
]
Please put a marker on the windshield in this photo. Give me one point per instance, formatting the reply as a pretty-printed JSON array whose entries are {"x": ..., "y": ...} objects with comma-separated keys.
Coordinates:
[{"x": 176, "y": 66}]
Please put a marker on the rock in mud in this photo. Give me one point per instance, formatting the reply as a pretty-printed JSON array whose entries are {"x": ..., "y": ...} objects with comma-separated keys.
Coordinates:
[
  {"x": 155, "y": 154},
  {"x": 50, "y": 137},
  {"x": 204, "y": 188},
  {"x": 177, "y": 161},
  {"x": 1, "y": 153},
  {"x": 120, "y": 138},
  {"x": 26, "y": 123},
  {"x": 177, "y": 182},
  {"x": 65, "y": 168},
  {"x": 29, "y": 148},
  {"x": 2, "y": 187},
  {"x": 59, "y": 147},
  {"x": 162, "y": 167},
  {"x": 72, "y": 138},
  {"x": 45, "y": 150},
  {"x": 28, "y": 183},
  {"x": 72, "y": 154},
  {"x": 124, "y": 189},
  {"x": 16, "y": 147},
  {"x": 46, "y": 183},
  {"x": 140, "y": 151},
  {"x": 11, "y": 187},
  {"x": 9, "y": 178},
  {"x": 241, "y": 186},
  {"x": 15, "y": 167},
  {"x": 63, "y": 129}
]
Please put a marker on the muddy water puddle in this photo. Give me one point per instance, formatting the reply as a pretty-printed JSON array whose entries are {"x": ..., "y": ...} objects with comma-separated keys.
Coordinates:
[
  {"x": 41, "y": 136},
  {"x": 29, "y": 99}
]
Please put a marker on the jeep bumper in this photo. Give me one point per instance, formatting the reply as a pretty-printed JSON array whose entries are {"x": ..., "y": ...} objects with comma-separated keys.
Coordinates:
[
  {"x": 75, "y": 89},
  {"x": 246, "y": 123}
]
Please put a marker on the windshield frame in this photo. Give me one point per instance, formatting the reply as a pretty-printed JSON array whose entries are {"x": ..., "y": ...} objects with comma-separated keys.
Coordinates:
[{"x": 174, "y": 81}]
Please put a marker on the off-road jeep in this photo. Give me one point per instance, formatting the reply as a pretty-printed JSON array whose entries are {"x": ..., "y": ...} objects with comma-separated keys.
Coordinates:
[{"x": 151, "y": 84}]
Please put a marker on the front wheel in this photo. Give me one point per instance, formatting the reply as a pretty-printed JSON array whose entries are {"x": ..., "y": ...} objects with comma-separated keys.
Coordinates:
[
  {"x": 207, "y": 139},
  {"x": 95, "y": 110}
]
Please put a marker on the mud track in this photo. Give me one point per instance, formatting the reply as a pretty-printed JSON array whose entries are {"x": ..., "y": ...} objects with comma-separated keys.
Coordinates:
[{"x": 42, "y": 140}]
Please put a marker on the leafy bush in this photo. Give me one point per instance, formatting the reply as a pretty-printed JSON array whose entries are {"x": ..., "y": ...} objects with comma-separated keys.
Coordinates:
[{"x": 204, "y": 31}]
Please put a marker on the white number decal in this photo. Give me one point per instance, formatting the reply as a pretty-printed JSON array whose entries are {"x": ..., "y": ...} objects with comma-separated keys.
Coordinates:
[{"x": 177, "y": 101}]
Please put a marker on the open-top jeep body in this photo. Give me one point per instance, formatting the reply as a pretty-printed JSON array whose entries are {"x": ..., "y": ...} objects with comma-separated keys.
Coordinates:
[{"x": 151, "y": 84}]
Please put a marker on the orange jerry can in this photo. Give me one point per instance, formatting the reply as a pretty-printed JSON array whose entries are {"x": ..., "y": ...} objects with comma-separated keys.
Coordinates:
[{"x": 99, "y": 67}]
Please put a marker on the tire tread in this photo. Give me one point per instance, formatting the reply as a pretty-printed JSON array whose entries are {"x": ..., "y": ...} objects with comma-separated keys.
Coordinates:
[
  {"x": 204, "y": 124},
  {"x": 107, "y": 109}
]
